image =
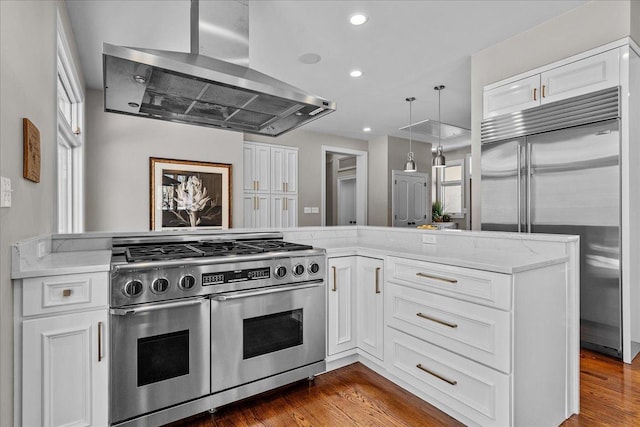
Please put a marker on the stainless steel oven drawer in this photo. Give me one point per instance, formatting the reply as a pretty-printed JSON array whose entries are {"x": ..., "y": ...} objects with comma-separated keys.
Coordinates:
[{"x": 257, "y": 336}]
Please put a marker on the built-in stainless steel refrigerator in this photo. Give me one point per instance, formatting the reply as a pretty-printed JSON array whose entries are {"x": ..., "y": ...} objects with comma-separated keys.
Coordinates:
[{"x": 556, "y": 169}]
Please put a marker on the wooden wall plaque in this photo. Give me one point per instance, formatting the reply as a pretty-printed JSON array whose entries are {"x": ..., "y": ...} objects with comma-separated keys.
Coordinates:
[{"x": 31, "y": 152}]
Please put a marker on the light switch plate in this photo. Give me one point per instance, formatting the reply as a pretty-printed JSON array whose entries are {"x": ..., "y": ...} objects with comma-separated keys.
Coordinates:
[
  {"x": 5, "y": 192},
  {"x": 315, "y": 210},
  {"x": 307, "y": 209}
]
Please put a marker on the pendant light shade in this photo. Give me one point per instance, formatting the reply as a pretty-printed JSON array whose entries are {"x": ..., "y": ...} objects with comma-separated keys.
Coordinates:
[
  {"x": 438, "y": 159},
  {"x": 410, "y": 165}
]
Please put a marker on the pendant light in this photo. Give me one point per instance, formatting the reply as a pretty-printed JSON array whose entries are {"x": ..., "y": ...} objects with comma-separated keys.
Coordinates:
[
  {"x": 410, "y": 166},
  {"x": 438, "y": 159}
]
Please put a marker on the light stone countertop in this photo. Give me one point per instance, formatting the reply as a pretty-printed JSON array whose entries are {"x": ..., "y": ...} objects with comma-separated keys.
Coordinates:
[
  {"x": 498, "y": 261},
  {"x": 58, "y": 263}
]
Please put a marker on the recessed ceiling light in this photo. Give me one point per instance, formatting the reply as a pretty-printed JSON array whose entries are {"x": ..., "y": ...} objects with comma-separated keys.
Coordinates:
[
  {"x": 355, "y": 73},
  {"x": 358, "y": 19},
  {"x": 309, "y": 58},
  {"x": 366, "y": 129}
]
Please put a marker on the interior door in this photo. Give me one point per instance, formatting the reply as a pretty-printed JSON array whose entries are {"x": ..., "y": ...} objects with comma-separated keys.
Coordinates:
[
  {"x": 575, "y": 189},
  {"x": 347, "y": 201},
  {"x": 410, "y": 199},
  {"x": 503, "y": 191}
]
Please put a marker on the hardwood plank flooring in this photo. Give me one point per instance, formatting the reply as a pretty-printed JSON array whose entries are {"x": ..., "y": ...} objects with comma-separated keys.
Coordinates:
[{"x": 356, "y": 396}]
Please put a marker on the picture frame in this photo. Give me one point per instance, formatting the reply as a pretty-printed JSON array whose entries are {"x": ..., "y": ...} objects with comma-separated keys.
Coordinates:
[
  {"x": 189, "y": 194},
  {"x": 31, "y": 151}
]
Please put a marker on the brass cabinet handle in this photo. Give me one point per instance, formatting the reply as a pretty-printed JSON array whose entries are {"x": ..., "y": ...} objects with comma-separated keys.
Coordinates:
[
  {"x": 66, "y": 292},
  {"x": 440, "y": 377},
  {"x": 100, "y": 356},
  {"x": 535, "y": 91},
  {"x": 377, "y": 280},
  {"x": 286, "y": 187},
  {"x": 283, "y": 188},
  {"x": 335, "y": 279},
  {"x": 431, "y": 276},
  {"x": 543, "y": 95},
  {"x": 434, "y": 319},
  {"x": 257, "y": 203}
]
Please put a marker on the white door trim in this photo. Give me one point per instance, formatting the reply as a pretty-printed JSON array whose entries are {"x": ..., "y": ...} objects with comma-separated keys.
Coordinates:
[{"x": 361, "y": 183}]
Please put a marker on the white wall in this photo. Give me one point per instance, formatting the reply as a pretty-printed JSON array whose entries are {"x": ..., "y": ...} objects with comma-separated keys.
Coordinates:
[
  {"x": 586, "y": 27},
  {"x": 118, "y": 148},
  {"x": 310, "y": 164},
  {"x": 377, "y": 197},
  {"x": 28, "y": 73}
]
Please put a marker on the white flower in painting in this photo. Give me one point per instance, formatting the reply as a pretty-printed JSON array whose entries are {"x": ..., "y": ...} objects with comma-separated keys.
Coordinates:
[{"x": 192, "y": 196}]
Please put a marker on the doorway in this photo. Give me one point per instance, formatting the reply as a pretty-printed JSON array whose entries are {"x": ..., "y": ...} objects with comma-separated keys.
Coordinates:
[{"x": 344, "y": 186}]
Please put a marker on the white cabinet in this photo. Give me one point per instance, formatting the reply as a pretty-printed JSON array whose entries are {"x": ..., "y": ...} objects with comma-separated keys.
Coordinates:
[
  {"x": 466, "y": 338},
  {"x": 284, "y": 211},
  {"x": 270, "y": 186},
  {"x": 583, "y": 76},
  {"x": 257, "y": 158},
  {"x": 284, "y": 170},
  {"x": 341, "y": 330},
  {"x": 256, "y": 210},
  {"x": 63, "y": 350},
  {"x": 515, "y": 96},
  {"x": 577, "y": 78},
  {"x": 370, "y": 306},
  {"x": 65, "y": 370}
]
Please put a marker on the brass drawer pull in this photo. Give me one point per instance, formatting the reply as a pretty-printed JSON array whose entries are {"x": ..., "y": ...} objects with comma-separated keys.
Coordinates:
[
  {"x": 66, "y": 292},
  {"x": 335, "y": 279},
  {"x": 433, "y": 319},
  {"x": 431, "y": 276},
  {"x": 377, "y": 280},
  {"x": 543, "y": 87},
  {"x": 440, "y": 377},
  {"x": 100, "y": 356},
  {"x": 535, "y": 91}
]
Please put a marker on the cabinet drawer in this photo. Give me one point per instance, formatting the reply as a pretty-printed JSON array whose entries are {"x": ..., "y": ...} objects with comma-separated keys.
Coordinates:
[
  {"x": 483, "y": 287},
  {"x": 479, "y": 393},
  {"x": 52, "y": 294},
  {"x": 480, "y": 333}
]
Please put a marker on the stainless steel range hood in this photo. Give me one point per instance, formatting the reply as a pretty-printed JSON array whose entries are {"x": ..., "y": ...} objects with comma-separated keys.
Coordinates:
[{"x": 197, "y": 89}]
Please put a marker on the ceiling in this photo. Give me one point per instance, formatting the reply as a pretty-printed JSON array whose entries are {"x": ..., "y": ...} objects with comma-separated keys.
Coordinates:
[{"x": 404, "y": 49}]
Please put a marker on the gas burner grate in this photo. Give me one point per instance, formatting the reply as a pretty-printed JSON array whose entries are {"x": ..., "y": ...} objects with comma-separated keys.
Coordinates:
[
  {"x": 277, "y": 245},
  {"x": 161, "y": 252}
]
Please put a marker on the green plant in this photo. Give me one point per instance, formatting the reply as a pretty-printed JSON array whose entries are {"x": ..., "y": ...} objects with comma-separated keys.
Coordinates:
[{"x": 436, "y": 211}]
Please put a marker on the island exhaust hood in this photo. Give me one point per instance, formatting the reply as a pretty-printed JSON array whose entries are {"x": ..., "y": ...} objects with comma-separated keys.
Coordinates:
[{"x": 196, "y": 88}]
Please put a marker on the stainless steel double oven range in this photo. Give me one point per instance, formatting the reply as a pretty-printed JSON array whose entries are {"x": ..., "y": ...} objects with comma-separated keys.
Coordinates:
[{"x": 201, "y": 321}]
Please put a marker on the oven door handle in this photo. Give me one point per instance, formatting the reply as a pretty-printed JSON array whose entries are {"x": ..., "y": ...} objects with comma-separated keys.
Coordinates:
[
  {"x": 154, "y": 307},
  {"x": 246, "y": 294}
]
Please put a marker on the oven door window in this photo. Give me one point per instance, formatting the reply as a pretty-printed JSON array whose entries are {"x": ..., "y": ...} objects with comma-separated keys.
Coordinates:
[
  {"x": 266, "y": 334},
  {"x": 162, "y": 357}
]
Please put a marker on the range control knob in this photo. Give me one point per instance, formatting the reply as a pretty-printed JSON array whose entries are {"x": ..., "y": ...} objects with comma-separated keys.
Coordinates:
[
  {"x": 133, "y": 288},
  {"x": 187, "y": 282},
  {"x": 280, "y": 271},
  {"x": 298, "y": 270},
  {"x": 160, "y": 285},
  {"x": 314, "y": 268}
]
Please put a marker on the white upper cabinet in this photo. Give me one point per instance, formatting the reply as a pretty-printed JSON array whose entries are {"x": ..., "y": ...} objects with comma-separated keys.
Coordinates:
[
  {"x": 284, "y": 170},
  {"x": 580, "y": 77},
  {"x": 511, "y": 97},
  {"x": 256, "y": 168},
  {"x": 583, "y": 76}
]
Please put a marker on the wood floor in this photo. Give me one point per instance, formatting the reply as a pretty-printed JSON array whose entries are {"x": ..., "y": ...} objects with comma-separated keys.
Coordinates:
[{"x": 356, "y": 396}]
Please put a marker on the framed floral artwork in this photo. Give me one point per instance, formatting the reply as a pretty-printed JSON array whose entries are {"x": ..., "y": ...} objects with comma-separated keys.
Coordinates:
[{"x": 189, "y": 194}]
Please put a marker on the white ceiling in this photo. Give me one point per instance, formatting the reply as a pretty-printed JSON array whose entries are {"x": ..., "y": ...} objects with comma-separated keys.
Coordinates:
[{"x": 405, "y": 49}]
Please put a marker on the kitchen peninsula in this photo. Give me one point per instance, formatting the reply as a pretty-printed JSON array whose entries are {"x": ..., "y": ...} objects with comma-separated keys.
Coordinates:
[{"x": 482, "y": 325}]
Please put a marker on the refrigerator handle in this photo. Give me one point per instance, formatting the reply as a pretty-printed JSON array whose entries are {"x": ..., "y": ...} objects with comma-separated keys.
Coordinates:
[
  {"x": 518, "y": 173},
  {"x": 529, "y": 187}
]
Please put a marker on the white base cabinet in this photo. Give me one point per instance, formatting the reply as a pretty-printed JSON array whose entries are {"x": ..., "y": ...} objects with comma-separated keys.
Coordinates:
[
  {"x": 341, "y": 318},
  {"x": 256, "y": 209},
  {"x": 370, "y": 303},
  {"x": 65, "y": 370},
  {"x": 61, "y": 347}
]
